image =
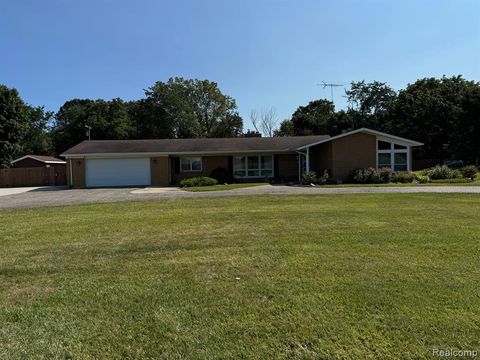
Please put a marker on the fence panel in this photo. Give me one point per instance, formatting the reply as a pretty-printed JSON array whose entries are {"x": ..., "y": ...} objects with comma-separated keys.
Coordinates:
[{"x": 36, "y": 176}]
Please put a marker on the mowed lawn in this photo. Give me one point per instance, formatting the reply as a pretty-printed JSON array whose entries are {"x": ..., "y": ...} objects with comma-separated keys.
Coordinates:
[{"x": 332, "y": 276}]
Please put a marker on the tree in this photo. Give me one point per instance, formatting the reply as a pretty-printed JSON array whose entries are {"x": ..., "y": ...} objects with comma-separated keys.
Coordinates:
[
  {"x": 149, "y": 119},
  {"x": 196, "y": 108},
  {"x": 369, "y": 104},
  {"x": 38, "y": 139},
  {"x": 313, "y": 119},
  {"x": 264, "y": 122},
  {"x": 286, "y": 128},
  {"x": 108, "y": 120},
  {"x": 230, "y": 125},
  {"x": 14, "y": 122},
  {"x": 442, "y": 113}
]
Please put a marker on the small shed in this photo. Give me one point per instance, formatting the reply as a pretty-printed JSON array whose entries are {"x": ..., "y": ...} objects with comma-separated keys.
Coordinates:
[
  {"x": 34, "y": 170},
  {"x": 29, "y": 161}
]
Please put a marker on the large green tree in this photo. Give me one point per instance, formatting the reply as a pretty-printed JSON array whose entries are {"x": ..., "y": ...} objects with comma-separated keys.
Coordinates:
[
  {"x": 38, "y": 139},
  {"x": 196, "y": 108},
  {"x": 108, "y": 120},
  {"x": 14, "y": 123},
  {"x": 316, "y": 118},
  {"x": 149, "y": 119},
  {"x": 369, "y": 104},
  {"x": 442, "y": 113},
  {"x": 23, "y": 128}
]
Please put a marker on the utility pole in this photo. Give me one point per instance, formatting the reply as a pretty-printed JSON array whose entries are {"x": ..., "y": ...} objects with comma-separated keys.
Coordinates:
[
  {"x": 89, "y": 128},
  {"x": 324, "y": 84}
]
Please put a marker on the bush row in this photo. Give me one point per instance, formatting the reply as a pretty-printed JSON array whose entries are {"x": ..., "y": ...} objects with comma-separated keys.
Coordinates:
[
  {"x": 385, "y": 175},
  {"x": 359, "y": 176},
  {"x": 198, "y": 181},
  {"x": 444, "y": 172}
]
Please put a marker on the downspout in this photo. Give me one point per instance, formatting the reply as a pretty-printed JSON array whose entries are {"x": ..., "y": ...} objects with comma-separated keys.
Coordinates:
[
  {"x": 300, "y": 165},
  {"x": 308, "y": 159},
  {"x": 71, "y": 173}
]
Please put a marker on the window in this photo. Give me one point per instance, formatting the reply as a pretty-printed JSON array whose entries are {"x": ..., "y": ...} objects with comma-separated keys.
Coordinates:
[
  {"x": 384, "y": 160},
  {"x": 383, "y": 145},
  {"x": 393, "y": 156},
  {"x": 190, "y": 164},
  {"x": 253, "y": 166},
  {"x": 400, "y": 162}
]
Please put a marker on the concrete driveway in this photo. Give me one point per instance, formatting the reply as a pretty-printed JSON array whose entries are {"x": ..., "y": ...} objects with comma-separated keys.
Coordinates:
[
  {"x": 20, "y": 190},
  {"x": 61, "y": 196}
]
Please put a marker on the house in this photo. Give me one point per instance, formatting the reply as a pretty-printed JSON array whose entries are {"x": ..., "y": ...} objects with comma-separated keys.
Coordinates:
[
  {"x": 164, "y": 162},
  {"x": 31, "y": 161}
]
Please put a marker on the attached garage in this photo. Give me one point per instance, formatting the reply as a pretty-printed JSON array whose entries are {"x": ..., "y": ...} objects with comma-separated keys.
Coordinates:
[{"x": 117, "y": 172}]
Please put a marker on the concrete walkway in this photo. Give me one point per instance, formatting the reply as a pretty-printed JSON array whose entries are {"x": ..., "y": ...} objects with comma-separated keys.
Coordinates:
[{"x": 62, "y": 196}]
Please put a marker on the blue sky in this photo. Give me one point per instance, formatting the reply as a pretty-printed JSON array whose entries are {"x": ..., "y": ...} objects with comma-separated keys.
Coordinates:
[{"x": 263, "y": 53}]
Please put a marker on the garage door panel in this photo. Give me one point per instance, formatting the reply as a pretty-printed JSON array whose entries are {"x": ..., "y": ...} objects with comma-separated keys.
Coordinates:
[{"x": 117, "y": 172}]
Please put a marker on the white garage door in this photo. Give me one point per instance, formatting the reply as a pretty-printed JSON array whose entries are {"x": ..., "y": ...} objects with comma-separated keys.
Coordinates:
[{"x": 117, "y": 172}]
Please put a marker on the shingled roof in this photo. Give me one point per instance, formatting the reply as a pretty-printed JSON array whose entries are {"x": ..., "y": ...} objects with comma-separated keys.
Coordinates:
[
  {"x": 41, "y": 158},
  {"x": 185, "y": 146}
]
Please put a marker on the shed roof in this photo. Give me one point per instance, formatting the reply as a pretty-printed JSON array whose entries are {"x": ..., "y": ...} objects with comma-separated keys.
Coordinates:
[{"x": 41, "y": 158}]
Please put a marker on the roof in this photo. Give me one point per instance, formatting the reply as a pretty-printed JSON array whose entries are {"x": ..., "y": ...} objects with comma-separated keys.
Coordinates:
[
  {"x": 41, "y": 158},
  {"x": 382, "y": 135},
  {"x": 192, "y": 146}
]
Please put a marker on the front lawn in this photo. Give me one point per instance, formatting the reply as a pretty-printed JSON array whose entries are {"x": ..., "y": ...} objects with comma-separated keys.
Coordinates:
[
  {"x": 222, "y": 187},
  {"x": 344, "y": 276}
]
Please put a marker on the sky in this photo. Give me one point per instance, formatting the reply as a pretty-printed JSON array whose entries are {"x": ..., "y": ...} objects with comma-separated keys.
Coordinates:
[{"x": 263, "y": 53}]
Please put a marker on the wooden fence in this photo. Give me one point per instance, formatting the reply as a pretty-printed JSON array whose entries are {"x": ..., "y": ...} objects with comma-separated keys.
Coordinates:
[{"x": 35, "y": 176}]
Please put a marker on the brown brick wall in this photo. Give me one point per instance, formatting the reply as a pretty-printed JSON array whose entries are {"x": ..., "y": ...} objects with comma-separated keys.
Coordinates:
[
  {"x": 160, "y": 171},
  {"x": 209, "y": 163},
  {"x": 321, "y": 158},
  {"x": 287, "y": 166},
  {"x": 351, "y": 152}
]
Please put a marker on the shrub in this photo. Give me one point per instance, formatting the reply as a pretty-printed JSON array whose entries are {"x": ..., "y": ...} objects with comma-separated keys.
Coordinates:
[
  {"x": 372, "y": 176},
  {"x": 361, "y": 176},
  {"x": 222, "y": 175},
  {"x": 311, "y": 177},
  {"x": 404, "y": 177},
  {"x": 323, "y": 178},
  {"x": 422, "y": 179},
  {"x": 469, "y": 172},
  {"x": 198, "y": 181},
  {"x": 385, "y": 175},
  {"x": 441, "y": 172}
]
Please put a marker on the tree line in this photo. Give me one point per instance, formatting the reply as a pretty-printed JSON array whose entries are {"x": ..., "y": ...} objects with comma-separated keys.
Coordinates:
[{"x": 443, "y": 113}]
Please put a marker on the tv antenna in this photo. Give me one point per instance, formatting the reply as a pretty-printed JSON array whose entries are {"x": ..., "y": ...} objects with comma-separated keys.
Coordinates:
[
  {"x": 324, "y": 84},
  {"x": 89, "y": 128}
]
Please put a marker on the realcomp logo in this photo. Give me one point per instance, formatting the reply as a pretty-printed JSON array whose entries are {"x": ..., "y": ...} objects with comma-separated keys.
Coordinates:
[{"x": 454, "y": 353}]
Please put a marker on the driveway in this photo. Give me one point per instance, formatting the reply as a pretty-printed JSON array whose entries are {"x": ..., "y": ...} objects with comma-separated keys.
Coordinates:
[
  {"x": 19, "y": 190},
  {"x": 62, "y": 196}
]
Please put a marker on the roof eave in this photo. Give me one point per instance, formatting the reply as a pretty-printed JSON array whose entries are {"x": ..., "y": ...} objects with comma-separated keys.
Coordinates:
[
  {"x": 176, "y": 153},
  {"x": 364, "y": 130}
]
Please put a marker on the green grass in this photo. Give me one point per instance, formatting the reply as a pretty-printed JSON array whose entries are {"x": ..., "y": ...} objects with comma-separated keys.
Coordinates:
[
  {"x": 223, "y": 187},
  {"x": 343, "y": 276}
]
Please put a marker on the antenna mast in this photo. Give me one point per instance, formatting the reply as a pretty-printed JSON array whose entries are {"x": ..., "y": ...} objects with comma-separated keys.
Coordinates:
[{"x": 324, "y": 84}]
